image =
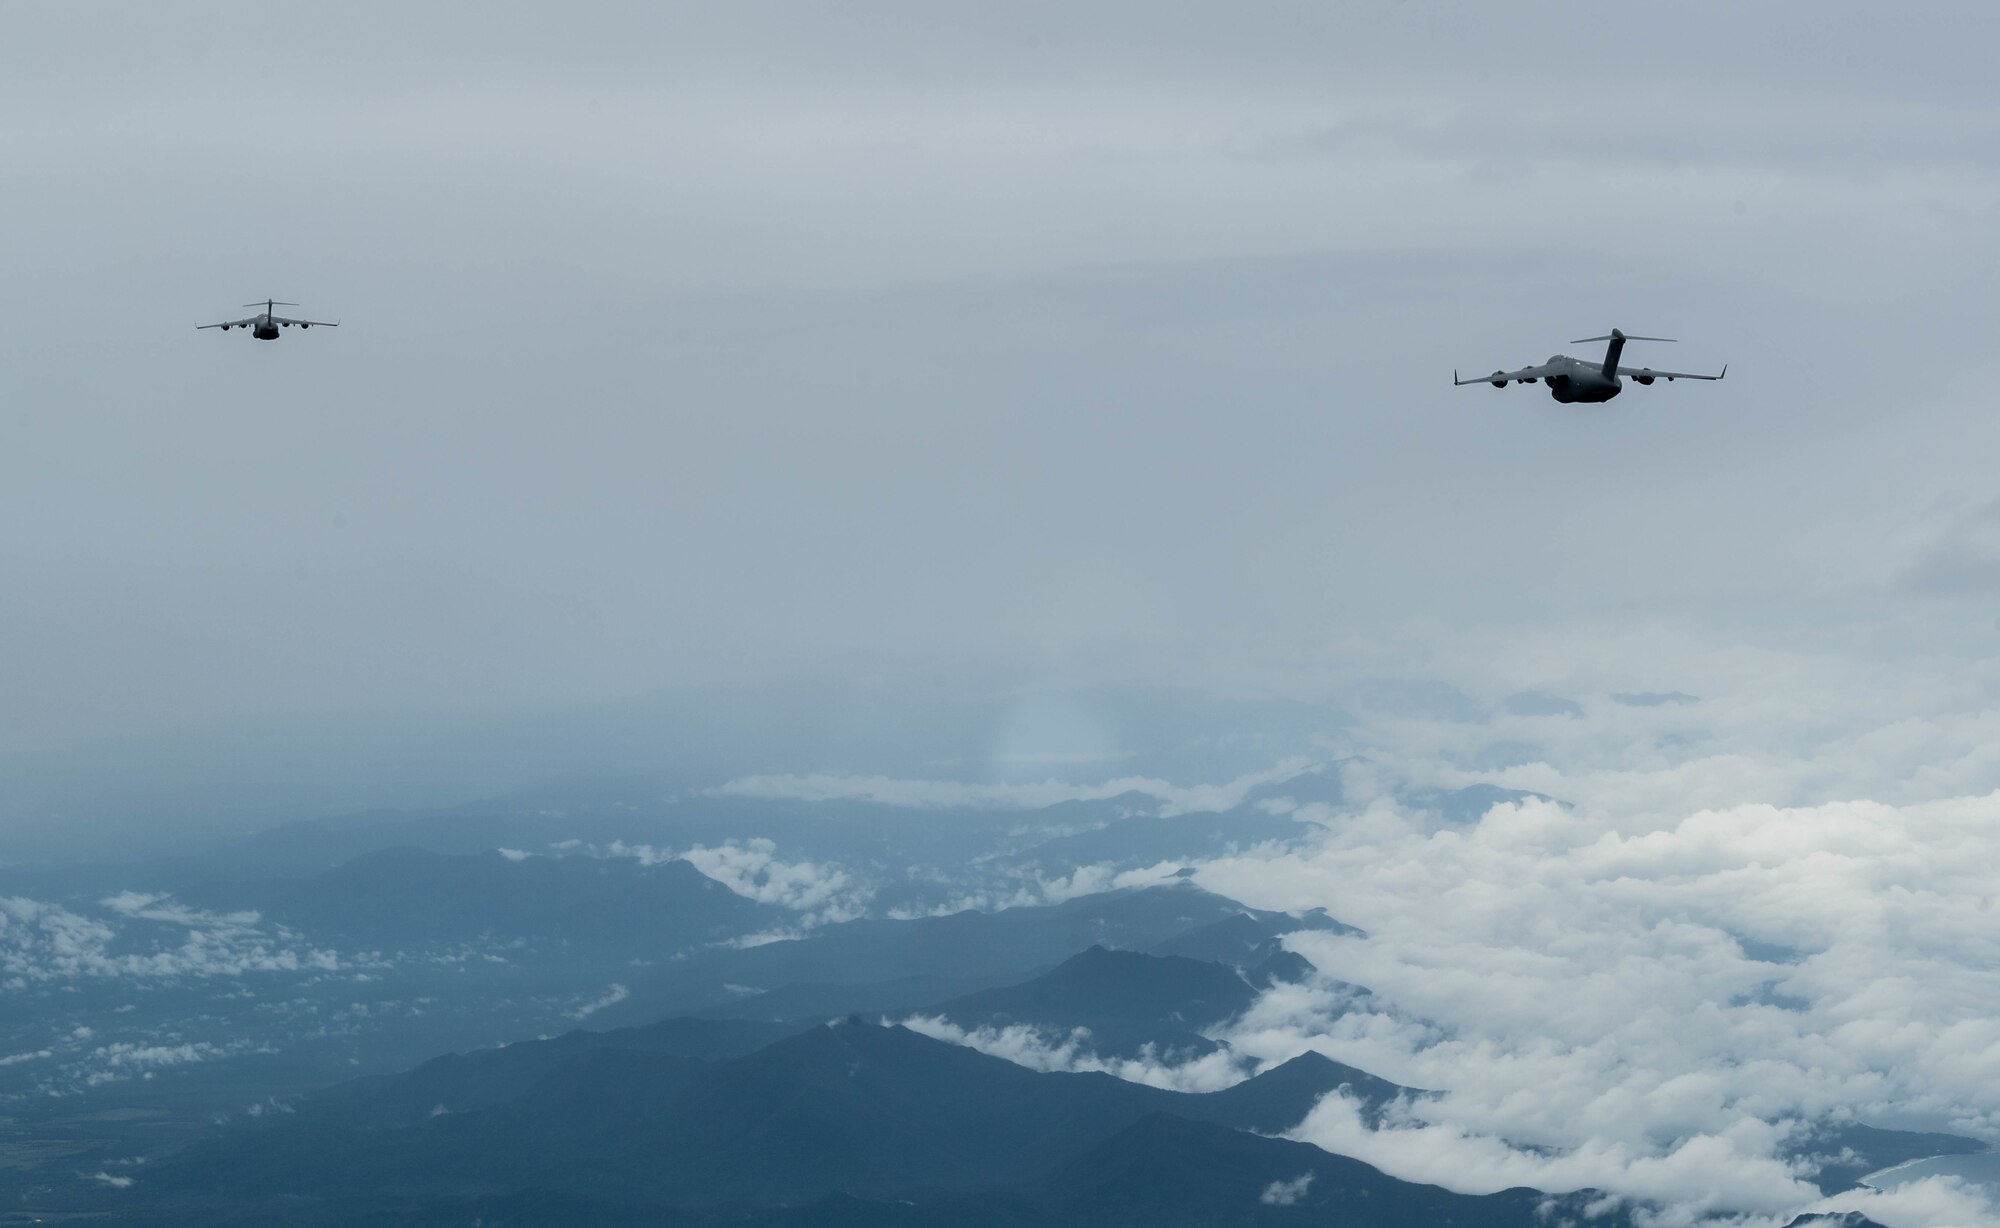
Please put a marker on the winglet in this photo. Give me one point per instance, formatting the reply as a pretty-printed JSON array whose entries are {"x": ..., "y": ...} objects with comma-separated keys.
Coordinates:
[{"x": 1725, "y": 372}]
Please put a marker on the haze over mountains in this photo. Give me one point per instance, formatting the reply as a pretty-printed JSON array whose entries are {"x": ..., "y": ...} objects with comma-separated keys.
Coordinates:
[
  {"x": 228, "y": 781},
  {"x": 818, "y": 998}
]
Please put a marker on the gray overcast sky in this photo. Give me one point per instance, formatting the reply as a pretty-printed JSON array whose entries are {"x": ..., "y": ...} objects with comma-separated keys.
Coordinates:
[{"x": 704, "y": 341}]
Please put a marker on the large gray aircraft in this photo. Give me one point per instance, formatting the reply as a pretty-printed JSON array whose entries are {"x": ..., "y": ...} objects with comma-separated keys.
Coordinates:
[
  {"x": 1571, "y": 380},
  {"x": 265, "y": 324}
]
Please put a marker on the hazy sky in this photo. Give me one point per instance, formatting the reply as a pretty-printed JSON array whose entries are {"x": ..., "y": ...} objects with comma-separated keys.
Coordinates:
[
  {"x": 704, "y": 341},
  {"x": 1092, "y": 342}
]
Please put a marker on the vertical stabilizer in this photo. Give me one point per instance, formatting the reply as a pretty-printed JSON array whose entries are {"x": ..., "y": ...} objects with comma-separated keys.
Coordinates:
[{"x": 1613, "y": 352}]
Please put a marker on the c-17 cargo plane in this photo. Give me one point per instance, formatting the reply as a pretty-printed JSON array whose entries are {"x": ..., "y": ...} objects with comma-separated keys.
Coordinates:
[
  {"x": 1571, "y": 380},
  {"x": 265, "y": 324}
]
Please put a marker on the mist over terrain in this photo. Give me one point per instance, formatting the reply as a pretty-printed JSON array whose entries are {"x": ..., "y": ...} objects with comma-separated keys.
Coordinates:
[
  {"x": 1525, "y": 941},
  {"x": 887, "y": 615}
]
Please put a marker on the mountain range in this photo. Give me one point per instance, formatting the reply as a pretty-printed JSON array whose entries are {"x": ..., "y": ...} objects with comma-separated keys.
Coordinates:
[
  {"x": 703, "y": 1121},
  {"x": 850, "y": 1108}
]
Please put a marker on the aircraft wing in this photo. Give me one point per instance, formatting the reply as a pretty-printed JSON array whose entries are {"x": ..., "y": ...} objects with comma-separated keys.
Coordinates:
[
  {"x": 1540, "y": 372},
  {"x": 228, "y": 324},
  {"x": 306, "y": 323},
  {"x": 1629, "y": 372}
]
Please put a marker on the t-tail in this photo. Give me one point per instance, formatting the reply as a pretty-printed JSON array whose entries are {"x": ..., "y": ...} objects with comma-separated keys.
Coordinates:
[
  {"x": 271, "y": 305},
  {"x": 1616, "y": 350}
]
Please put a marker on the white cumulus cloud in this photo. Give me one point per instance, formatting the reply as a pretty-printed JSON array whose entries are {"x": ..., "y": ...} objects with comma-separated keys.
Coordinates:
[
  {"x": 611, "y": 997},
  {"x": 1642, "y": 1009},
  {"x": 1070, "y": 1051},
  {"x": 1286, "y": 1193},
  {"x": 752, "y": 868},
  {"x": 44, "y": 942}
]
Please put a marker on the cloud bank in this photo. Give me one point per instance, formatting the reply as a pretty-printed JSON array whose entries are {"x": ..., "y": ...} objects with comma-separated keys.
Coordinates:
[
  {"x": 43, "y": 942},
  {"x": 821, "y": 892},
  {"x": 1071, "y": 1052},
  {"x": 1654, "y": 1013},
  {"x": 1759, "y": 913},
  {"x": 943, "y": 794}
]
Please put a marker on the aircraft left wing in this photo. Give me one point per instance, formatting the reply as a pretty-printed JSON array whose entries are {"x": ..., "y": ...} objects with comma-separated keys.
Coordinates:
[
  {"x": 1649, "y": 373},
  {"x": 1505, "y": 377},
  {"x": 228, "y": 324},
  {"x": 306, "y": 323}
]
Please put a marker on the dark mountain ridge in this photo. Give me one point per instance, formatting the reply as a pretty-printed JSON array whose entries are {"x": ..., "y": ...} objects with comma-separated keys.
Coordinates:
[
  {"x": 459, "y": 1082},
  {"x": 871, "y": 1111},
  {"x": 977, "y": 950}
]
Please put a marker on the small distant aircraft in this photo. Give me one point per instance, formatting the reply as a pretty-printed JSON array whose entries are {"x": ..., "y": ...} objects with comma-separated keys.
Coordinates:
[
  {"x": 1572, "y": 379},
  {"x": 265, "y": 324}
]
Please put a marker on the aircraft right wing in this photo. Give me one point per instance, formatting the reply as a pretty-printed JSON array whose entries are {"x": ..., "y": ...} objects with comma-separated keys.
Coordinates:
[
  {"x": 1648, "y": 373},
  {"x": 228, "y": 324},
  {"x": 306, "y": 323},
  {"x": 1506, "y": 377}
]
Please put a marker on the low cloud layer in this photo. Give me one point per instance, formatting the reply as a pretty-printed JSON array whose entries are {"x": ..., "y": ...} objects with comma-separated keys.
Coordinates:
[
  {"x": 611, "y": 997},
  {"x": 1073, "y": 1052},
  {"x": 1286, "y": 1193},
  {"x": 1749, "y": 916},
  {"x": 944, "y": 794},
  {"x": 754, "y": 870},
  {"x": 1642, "y": 1011},
  {"x": 146, "y": 936},
  {"x": 822, "y": 893}
]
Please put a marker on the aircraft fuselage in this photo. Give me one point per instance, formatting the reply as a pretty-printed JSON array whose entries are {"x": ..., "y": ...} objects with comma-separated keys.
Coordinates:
[
  {"x": 264, "y": 330},
  {"x": 1581, "y": 382}
]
